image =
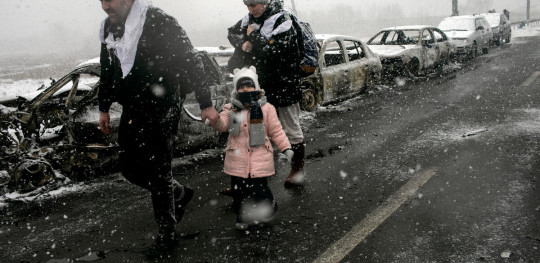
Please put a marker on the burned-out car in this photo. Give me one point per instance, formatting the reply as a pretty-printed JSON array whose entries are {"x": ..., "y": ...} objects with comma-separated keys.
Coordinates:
[
  {"x": 63, "y": 118},
  {"x": 347, "y": 67},
  {"x": 411, "y": 50}
]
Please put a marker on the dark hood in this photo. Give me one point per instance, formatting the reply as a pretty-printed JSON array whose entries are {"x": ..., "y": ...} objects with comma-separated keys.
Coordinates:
[{"x": 273, "y": 8}]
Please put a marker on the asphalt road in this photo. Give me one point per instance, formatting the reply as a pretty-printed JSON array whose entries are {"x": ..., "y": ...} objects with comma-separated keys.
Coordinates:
[{"x": 442, "y": 169}]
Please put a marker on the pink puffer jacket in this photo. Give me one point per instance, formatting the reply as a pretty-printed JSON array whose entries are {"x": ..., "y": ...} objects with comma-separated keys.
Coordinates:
[{"x": 241, "y": 159}]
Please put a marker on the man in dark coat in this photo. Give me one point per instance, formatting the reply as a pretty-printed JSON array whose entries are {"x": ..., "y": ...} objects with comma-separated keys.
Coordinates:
[
  {"x": 145, "y": 54},
  {"x": 267, "y": 39}
]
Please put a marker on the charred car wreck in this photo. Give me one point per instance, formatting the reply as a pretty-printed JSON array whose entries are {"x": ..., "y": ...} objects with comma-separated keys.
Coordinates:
[
  {"x": 347, "y": 67},
  {"x": 59, "y": 125}
]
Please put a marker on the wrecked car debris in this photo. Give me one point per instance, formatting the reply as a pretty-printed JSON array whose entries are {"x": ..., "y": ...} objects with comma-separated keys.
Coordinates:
[
  {"x": 347, "y": 67},
  {"x": 59, "y": 126}
]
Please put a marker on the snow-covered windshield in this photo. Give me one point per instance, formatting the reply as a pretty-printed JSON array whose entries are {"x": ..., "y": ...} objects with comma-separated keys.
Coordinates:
[
  {"x": 457, "y": 24},
  {"x": 396, "y": 37}
]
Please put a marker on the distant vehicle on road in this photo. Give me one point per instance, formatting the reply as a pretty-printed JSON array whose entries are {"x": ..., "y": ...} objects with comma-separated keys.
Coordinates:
[
  {"x": 470, "y": 33},
  {"x": 500, "y": 26},
  {"x": 347, "y": 66},
  {"x": 410, "y": 50}
]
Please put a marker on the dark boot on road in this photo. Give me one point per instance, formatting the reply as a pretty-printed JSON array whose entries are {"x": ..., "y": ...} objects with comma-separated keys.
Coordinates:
[
  {"x": 165, "y": 242},
  {"x": 181, "y": 200},
  {"x": 296, "y": 176}
]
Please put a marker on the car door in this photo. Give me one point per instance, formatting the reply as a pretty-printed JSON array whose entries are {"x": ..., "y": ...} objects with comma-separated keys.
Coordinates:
[
  {"x": 335, "y": 71},
  {"x": 481, "y": 29},
  {"x": 442, "y": 44},
  {"x": 357, "y": 64},
  {"x": 429, "y": 49}
]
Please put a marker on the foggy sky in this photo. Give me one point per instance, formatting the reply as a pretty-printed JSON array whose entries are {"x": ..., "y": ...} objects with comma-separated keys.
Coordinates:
[{"x": 57, "y": 26}]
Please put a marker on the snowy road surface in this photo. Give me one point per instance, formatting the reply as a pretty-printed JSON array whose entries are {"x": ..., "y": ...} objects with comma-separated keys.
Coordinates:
[{"x": 435, "y": 170}]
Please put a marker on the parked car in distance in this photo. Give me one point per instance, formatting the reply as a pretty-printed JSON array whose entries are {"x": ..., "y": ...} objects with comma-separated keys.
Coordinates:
[
  {"x": 64, "y": 116},
  {"x": 500, "y": 26},
  {"x": 410, "y": 50},
  {"x": 347, "y": 67},
  {"x": 470, "y": 32}
]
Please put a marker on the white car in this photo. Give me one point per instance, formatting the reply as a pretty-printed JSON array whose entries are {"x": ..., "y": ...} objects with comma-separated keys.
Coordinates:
[
  {"x": 500, "y": 26},
  {"x": 470, "y": 33},
  {"x": 409, "y": 50}
]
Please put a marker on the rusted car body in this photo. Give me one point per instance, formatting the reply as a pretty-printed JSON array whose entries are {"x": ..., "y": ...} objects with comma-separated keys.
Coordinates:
[
  {"x": 65, "y": 116},
  {"x": 411, "y": 50},
  {"x": 347, "y": 67}
]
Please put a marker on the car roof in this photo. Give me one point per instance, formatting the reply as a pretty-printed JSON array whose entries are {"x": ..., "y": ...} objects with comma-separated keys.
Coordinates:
[
  {"x": 463, "y": 16},
  {"x": 89, "y": 62},
  {"x": 410, "y": 27},
  {"x": 324, "y": 37}
]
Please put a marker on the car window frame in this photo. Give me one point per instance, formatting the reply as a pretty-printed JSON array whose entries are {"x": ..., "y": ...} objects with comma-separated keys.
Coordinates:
[
  {"x": 357, "y": 45},
  {"x": 440, "y": 32},
  {"x": 341, "y": 51}
]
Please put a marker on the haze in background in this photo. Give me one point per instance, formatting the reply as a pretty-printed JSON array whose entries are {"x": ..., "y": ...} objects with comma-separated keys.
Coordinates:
[{"x": 68, "y": 28}]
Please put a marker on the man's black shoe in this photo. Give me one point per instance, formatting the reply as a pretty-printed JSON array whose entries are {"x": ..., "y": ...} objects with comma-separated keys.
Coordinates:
[{"x": 180, "y": 205}]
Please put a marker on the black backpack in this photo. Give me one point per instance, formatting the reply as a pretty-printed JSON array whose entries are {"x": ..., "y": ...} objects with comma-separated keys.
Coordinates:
[{"x": 307, "y": 43}]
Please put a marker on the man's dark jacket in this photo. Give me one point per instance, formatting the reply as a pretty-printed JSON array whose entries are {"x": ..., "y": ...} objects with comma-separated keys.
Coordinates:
[
  {"x": 277, "y": 60},
  {"x": 165, "y": 56}
]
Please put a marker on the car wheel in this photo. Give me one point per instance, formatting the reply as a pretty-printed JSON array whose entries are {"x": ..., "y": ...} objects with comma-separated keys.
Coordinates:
[
  {"x": 413, "y": 68},
  {"x": 508, "y": 38},
  {"x": 474, "y": 51},
  {"x": 309, "y": 102},
  {"x": 371, "y": 80}
]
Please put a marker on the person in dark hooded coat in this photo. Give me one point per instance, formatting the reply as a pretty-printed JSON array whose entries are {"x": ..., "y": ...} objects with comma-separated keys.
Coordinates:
[
  {"x": 267, "y": 39},
  {"x": 145, "y": 54}
]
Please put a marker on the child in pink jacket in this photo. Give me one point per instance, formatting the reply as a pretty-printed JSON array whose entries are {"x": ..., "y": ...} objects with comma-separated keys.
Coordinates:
[{"x": 249, "y": 157}]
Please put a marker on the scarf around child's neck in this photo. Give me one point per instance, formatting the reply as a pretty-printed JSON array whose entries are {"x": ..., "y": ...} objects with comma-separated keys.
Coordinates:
[{"x": 252, "y": 101}]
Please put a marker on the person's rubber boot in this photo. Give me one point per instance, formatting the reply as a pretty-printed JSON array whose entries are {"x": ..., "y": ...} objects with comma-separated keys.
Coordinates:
[
  {"x": 296, "y": 176},
  {"x": 164, "y": 244},
  {"x": 181, "y": 202}
]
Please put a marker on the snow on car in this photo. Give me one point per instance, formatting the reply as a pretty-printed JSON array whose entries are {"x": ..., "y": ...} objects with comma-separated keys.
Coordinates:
[
  {"x": 346, "y": 67},
  {"x": 471, "y": 33},
  {"x": 63, "y": 119},
  {"x": 500, "y": 26},
  {"x": 411, "y": 50}
]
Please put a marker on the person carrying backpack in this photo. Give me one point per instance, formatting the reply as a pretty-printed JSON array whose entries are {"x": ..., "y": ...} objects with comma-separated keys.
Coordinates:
[{"x": 267, "y": 39}]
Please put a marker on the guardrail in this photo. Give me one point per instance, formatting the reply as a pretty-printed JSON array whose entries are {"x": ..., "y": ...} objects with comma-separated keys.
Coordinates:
[{"x": 524, "y": 23}]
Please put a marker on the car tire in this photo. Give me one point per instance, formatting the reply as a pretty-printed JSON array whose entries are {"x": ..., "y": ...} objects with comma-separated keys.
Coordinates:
[
  {"x": 309, "y": 103},
  {"x": 412, "y": 69},
  {"x": 369, "y": 83},
  {"x": 474, "y": 51},
  {"x": 508, "y": 39}
]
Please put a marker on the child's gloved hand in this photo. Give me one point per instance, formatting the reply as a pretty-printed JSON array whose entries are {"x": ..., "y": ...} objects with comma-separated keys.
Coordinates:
[{"x": 289, "y": 155}]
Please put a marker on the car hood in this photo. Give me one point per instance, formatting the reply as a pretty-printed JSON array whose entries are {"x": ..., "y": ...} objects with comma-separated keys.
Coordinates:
[
  {"x": 390, "y": 50},
  {"x": 458, "y": 34}
]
